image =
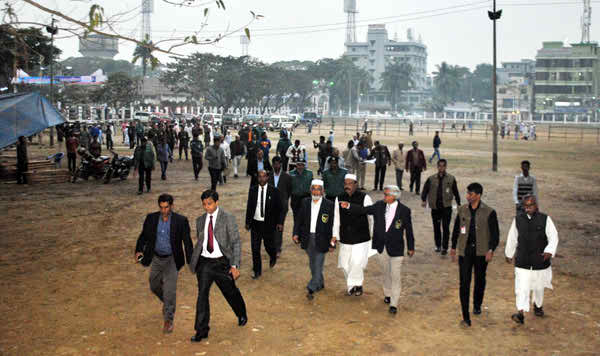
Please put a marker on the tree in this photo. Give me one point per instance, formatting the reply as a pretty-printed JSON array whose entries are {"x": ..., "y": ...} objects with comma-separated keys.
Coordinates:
[
  {"x": 88, "y": 65},
  {"x": 27, "y": 49},
  {"x": 143, "y": 53},
  {"x": 119, "y": 90},
  {"x": 398, "y": 76},
  {"x": 447, "y": 81}
]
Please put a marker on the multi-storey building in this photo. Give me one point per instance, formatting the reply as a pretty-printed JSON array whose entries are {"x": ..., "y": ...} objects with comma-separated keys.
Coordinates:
[
  {"x": 373, "y": 56},
  {"x": 567, "y": 77}
]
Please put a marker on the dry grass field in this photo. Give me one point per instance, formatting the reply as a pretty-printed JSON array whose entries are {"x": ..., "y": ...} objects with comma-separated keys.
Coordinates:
[{"x": 69, "y": 286}]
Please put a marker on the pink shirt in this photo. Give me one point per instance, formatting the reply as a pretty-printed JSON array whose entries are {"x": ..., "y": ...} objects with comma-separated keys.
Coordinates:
[{"x": 390, "y": 212}]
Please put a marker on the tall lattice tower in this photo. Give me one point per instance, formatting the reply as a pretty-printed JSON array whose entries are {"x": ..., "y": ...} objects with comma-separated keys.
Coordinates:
[
  {"x": 245, "y": 42},
  {"x": 147, "y": 10},
  {"x": 586, "y": 21},
  {"x": 350, "y": 10}
]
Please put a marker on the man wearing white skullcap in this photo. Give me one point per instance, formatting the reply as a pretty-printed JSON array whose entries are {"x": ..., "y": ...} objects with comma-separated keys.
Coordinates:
[
  {"x": 313, "y": 230},
  {"x": 354, "y": 233}
]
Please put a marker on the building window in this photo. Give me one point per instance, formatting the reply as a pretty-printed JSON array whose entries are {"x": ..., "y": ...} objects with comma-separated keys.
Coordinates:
[
  {"x": 523, "y": 91},
  {"x": 552, "y": 76},
  {"x": 353, "y": 49},
  {"x": 372, "y": 52},
  {"x": 507, "y": 103},
  {"x": 502, "y": 91},
  {"x": 354, "y": 59},
  {"x": 542, "y": 76},
  {"x": 373, "y": 42},
  {"x": 567, "y": 76}
]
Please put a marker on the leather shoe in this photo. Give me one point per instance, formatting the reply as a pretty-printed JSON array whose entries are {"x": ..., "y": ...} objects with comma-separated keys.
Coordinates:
[
  {"x": 352, "y": 291},
  {"x": 386, "y": 300},
  {"x": 256, "y": 275},
  {"x": 393, "y": 310},
  {"x": 444, "y": 252},
  {"x": 538, "y": 311},
  {"x": 310, "y": 295},
  {"x": 359, "y": 291},
  {"x": 168, "y": 327},
  {"x": 477, "y": 310},
  {"x": 199, "y": 337},
  {"x": 438, "y": 250},
  {"x": 518, "y": 318},
  {"x": 242, "y": 320},
  {"x": 273, "y": 262},
  {"x": 465, "y": 323}
]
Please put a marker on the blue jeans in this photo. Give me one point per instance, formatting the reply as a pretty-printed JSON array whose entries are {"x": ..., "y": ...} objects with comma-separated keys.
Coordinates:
[
  {"x": 436, "y": 152},
  {"x": 316, "y": 260}
]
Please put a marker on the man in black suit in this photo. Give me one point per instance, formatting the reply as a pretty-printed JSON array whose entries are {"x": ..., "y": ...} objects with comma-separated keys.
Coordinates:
[
  {"x": 392, "y": 222},
  {"x": 283, "y": 182},
  {"x": 257, "y": 164},
  {"x": 313, "y": 230},
  {"x": 263, "y": 217},
  {"x": 216, "y": 258},
  {"x": 160, "y": 247}
]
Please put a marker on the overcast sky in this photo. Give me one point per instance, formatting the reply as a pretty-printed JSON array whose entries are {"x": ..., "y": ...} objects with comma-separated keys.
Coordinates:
[{"x": 456, "y": 31}]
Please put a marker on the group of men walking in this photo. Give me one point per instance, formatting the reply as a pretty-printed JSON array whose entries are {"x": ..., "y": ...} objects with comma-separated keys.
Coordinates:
[{"x": 333, "y": 212}]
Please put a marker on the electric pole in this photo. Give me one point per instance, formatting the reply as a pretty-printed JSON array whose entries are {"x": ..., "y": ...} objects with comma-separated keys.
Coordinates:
[
  {"x": 52, "y": 30},
  {"x": 494, "y": 16}
]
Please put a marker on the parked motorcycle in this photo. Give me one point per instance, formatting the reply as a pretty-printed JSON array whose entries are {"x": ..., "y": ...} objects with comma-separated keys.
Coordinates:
[
  {"x": 119, "y": 167},
  {"x": 90, "y": 166}
]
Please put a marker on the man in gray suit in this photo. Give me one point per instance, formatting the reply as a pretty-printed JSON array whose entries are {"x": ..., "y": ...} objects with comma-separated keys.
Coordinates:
[{"x": 216, "y": 258}]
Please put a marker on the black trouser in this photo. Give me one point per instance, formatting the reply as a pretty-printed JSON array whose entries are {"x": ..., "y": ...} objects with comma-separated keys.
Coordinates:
[
  {"x": 21, "y": 178},
  {"x": 184, "y": 148},
  {"x": 259, "y": 232},
  {"x": 131, "y": 141},
  {"x": 321, "y": 164},
  {"x": 197, "y": 164},
  {"x": 415, "y": 177},
  {"x": 278, "y": 236},
  {"x": 216, "y": 270},
  {"x": 466, "y": 264},
  {"x": 139, "y": 137},
  {"x": 109, "y": 142},
  {"x": 72, "y": 158},
  {"x": 147, "y": 174},
  {"x": 380, "y": 176},
  {"x": 296, "y": 203},
  {"x": 215, "y": 174},
  {"x": 443, "y": 217},
  {"x": 284, "y": 162},
  {"x": 399, "y": 173}
]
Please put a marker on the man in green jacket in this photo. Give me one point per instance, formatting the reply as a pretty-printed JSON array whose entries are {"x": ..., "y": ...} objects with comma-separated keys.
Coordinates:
[
  {"x": 334, "y": 179},
  {"x": 139, "y": 131},
  {"x": 301, "y": 179},
  {"x": 144, "y": 163}
]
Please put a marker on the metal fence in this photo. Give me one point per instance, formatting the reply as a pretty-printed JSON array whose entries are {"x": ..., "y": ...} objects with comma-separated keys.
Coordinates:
[{"x": 401, "y": 127}]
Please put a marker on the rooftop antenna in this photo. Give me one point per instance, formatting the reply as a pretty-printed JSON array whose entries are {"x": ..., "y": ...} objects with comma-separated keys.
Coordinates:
[{"x": 147, "y": 10}]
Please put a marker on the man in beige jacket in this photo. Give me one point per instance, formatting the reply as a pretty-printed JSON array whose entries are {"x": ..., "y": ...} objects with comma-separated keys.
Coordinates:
[{"x": 398, "y": 160}]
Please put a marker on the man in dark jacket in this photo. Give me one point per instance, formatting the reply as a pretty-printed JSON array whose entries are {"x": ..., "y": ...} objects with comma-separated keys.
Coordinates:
[
  {"x": 197, "y": 151},
  {"x": 257, "y": 164},
  {"x": 130, "y": 134},
  {"x": 392, "y": 223},
  {"x": 161, "y": 246},
  {"x": 282, "y": 148},
  {"x": 238, "y": 150},
  {"x": 283, "y": 182},
  {"x": 415, "y": 163},
  {"x": 263, "y": 217},
  {"x": 436, "y": 146},
  {"x": 184, "y": 139},
  {"x": 382, "y": 160},
  {"x": 313, "y": 230}
]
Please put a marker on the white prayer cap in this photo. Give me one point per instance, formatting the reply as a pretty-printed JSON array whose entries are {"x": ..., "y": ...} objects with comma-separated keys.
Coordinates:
[
  {"x": 317, "y": 182},
  {"x": 351, "y": 176}
]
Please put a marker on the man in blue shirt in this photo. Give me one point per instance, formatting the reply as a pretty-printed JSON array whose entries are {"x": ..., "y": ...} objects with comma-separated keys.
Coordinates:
[{"x": 160, "y": 246}]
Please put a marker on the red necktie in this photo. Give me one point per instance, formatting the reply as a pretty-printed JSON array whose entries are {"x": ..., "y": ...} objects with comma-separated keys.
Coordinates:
[{"x": 209, "y": 246}]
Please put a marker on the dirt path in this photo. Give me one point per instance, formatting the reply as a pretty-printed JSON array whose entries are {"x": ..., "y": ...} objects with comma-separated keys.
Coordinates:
[{"x": 69, "y": 286}]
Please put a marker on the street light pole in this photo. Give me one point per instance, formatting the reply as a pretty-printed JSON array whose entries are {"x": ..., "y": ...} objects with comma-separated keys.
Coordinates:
[{"x": 494, "y": 16}]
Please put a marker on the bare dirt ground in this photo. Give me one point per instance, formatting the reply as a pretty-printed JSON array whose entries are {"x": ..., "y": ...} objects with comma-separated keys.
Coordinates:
[{"x": 69, "y": 285}]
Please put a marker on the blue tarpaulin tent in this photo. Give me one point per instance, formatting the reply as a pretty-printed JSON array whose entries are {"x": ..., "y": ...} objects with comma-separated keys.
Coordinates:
[{"x": 24, "y": 115}]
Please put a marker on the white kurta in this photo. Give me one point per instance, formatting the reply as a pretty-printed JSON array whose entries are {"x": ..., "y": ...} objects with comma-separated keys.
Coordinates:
[
  {"x": 353, "y": 259},
  {"x": 527, "y": 280}
]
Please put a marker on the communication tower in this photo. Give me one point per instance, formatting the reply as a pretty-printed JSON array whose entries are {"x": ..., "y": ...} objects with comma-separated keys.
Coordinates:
[
  {"x": 586, "y": 21},
  {"x": 350, "y": 10},
  {"x": 147, "y": 10}
]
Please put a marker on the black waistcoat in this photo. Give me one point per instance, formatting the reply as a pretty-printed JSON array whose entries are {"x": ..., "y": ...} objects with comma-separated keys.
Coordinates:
[
  {"x": 353, "y": 229},
  {"x": 532, "y": 241}
]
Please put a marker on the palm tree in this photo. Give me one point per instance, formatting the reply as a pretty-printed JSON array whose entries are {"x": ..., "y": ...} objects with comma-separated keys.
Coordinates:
[
  {"x": 143, "y": 52},
  {"x": 398, "y": 76},
  {"x": 447, "y": 81}
]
